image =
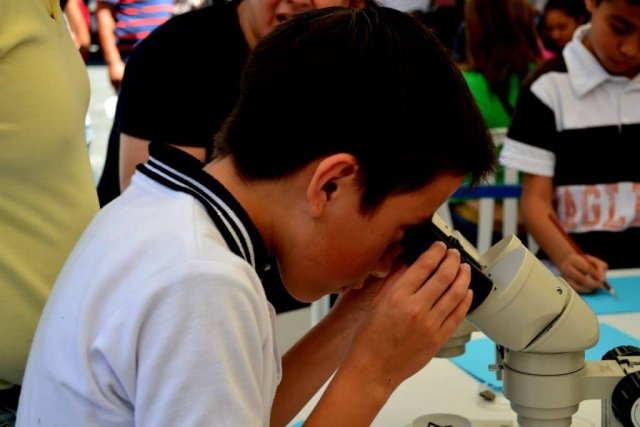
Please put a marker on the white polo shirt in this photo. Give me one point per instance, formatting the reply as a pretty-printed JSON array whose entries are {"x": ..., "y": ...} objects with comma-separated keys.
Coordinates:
[{"x": 159, "y": 317}]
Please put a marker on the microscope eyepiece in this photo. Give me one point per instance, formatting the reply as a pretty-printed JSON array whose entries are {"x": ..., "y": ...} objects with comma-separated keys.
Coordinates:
[{"x": 420, "y": 237}]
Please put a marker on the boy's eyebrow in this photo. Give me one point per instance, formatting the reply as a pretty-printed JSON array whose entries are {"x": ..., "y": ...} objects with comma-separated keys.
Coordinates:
[{"x": 621, "y": 20}]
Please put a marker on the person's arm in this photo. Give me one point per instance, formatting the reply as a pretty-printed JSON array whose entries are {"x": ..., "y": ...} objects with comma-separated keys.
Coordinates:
[
  {"x": 105, "y": 17},
  {"x": 406, "y": 323},
  {"x": 146, "y": 113},
  {"x": 536, "y": 205},
  {"x": 322, "y": 348},
  {"x": 78, "y": 26},
  {"x": 134, "y": 151}
]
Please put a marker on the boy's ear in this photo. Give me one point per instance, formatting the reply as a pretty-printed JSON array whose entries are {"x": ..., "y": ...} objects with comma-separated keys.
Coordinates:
[{"x": 330, "y": 179}]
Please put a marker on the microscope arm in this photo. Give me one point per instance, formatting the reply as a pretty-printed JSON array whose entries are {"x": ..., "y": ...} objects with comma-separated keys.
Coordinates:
[{"x": 517, "y": 302}]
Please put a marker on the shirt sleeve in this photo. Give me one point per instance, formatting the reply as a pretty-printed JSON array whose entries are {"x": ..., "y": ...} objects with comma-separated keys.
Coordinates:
[
  {"x": 143, "y": 91},
  {"x": 191, "y": 350},
  {"x": 529, "y": 146},
  {"x": 181, "y": 82},
  {"x": 156, "y": 97}
]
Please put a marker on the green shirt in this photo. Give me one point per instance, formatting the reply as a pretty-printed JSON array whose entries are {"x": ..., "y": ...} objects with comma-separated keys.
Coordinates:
[
  {"x": 491, "y": 108},
  {"x": 495, "y": 115},
  {"x": 47, "y": 192}
]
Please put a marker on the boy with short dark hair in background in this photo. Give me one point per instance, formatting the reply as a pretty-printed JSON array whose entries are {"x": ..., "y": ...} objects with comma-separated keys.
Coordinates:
[{"x": 574, "y": 133}]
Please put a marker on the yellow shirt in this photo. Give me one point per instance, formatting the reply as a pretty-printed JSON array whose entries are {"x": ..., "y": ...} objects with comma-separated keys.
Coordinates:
[{"x": 47, "y": 193}]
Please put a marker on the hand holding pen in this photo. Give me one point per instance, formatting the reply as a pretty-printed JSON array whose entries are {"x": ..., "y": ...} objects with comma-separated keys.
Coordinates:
[{"x": 580, "y": 253}]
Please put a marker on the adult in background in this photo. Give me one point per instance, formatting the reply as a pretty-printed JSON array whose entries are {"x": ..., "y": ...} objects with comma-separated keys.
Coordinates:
[{"x": 47, "y": 192}]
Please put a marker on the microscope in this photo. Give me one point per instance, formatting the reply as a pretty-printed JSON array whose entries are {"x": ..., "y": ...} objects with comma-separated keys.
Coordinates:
[{"x": 541, "y": 328}]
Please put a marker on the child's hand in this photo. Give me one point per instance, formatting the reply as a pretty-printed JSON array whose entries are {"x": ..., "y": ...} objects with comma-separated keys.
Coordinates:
[
  {"x": 411, "y": 317},
  {"x": 353, "y": 302},
  {"x": 584, "y": 273}
]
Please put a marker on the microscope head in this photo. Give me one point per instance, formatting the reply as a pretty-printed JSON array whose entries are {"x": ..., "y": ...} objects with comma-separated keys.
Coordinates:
[
  {"x": 517, "y": 302},
  {"x": 541, "y": 324},
  {"x": 529, "y": 309}
]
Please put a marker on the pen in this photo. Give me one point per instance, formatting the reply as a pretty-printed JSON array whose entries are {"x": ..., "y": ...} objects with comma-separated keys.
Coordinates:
[{"x": 575, "y": 246}]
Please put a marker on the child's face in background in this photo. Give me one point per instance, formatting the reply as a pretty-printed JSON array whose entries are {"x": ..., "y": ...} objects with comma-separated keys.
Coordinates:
[
  {"x": 259, "y": 17},
  {"x": 559, "y": 27},
  {"x": 615, "y": 36}
]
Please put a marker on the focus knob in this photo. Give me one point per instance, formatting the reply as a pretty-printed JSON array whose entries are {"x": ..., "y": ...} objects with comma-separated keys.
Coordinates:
[
  {"x": 623, "y": 350},
  {"x": 625, "y": 400}
]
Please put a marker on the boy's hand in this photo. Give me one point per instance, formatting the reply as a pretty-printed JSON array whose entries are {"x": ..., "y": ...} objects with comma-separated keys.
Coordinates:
[
  {"x": 411, "y": 317},
  {"x": 354, "y": 302},
  {"x": 584, "y": 273}
]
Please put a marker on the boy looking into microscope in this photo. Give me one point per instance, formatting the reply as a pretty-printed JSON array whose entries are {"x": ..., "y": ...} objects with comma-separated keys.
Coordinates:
[{"x": 159, "y": 316}]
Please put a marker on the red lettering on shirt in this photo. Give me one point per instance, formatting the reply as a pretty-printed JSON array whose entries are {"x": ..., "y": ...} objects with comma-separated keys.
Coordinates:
[
  {"x": 612, "y": 221},
  {"x": 591, "y": 198}
]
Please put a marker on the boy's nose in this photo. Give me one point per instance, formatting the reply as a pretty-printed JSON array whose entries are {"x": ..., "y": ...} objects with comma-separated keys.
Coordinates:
[
  {"x": 381, "y": 271},
  {"x": 385, "y": 264},
  {"x": 360, "y": 284},
  {"x": 630, "y": 48}
]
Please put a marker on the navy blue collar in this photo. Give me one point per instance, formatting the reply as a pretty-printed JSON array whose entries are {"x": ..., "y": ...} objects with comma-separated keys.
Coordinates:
[{"x": 180, "y": 171}]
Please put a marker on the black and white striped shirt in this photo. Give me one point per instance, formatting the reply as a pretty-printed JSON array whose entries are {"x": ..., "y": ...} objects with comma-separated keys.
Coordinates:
[{"x": 579, "y": 124}]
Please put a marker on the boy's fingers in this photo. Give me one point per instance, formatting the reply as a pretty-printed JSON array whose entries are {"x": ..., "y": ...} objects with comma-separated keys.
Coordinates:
[
  {"x": 587, "y": 277},
  {"x": 425, "y": 266},
  {"x": 442, "y": 278},
  {"x": 578, "y": 286},
  {"x": 454, "y": 294},
  {"x": 457, "y": 315},
  {"x": 589, "y": 271},
  {"x": 591, "y": 281},
  {"x": 583, "y": 275},
  {"x": 596, "y": 261},
  {"x": 598, "y": 268}
]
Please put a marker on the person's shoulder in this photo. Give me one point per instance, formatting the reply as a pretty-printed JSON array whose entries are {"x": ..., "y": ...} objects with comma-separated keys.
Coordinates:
[
  {"x": 556, "y": 64},
  {"x": 189, "y": 33},
  {"x": 176, "y": 224},
  {"x": 209, "y": 19}
]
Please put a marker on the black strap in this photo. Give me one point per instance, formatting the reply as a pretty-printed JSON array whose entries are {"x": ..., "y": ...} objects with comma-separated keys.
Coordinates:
[{"x": 9, "y": 398}]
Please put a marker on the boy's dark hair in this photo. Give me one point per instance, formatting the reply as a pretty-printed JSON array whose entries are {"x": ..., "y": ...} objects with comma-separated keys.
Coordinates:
[
  {"x": 573, "y": 8},
  {"x": 632, "y": 2},
  {"x": 374, "y": 83}
]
